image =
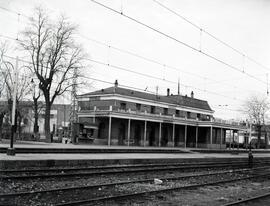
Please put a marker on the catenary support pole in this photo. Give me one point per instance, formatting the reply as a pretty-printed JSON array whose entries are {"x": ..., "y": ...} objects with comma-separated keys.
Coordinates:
[
  {"x": 211, "y": 136},
  {"x": 237, "y": 139},
  {"x": 145, "y": 132},
  {"x": 185, "y": 137},
  {"x": 233, "y": 138},
  {"x": 230, "y": 139},
  {"x": 109, "y": 132},
  {"x": 159, "y": 137},
  {"x": 221, "y": 137},
  {"x": 197, "y": 131},
  {"x": 173, "y": 134},
  {"x": 128, "y": 137}
]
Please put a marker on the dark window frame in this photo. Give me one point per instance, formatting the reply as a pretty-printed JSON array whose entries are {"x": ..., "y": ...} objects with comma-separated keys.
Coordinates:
[
  {"x": 123, "y": 105},
  {"x": 153, "y": 110},
  {"x": 138, "y": 107},
  {"x": 165, "y": 111}
]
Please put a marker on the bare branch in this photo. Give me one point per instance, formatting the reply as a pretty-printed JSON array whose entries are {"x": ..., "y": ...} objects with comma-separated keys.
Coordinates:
[{"x": 54, "y": 55}]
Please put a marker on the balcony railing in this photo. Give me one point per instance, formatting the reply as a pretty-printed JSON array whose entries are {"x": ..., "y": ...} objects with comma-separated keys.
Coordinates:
[
  {"x": 138, "y": 112},
  {"x": 167, "y": 116}
]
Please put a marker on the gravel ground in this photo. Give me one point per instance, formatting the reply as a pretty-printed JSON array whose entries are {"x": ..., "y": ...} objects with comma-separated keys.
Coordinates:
[
  {"x": 10, "y": 186},
  {"x": 206, "y": 196},
  {"x": 49, "y": 199}
]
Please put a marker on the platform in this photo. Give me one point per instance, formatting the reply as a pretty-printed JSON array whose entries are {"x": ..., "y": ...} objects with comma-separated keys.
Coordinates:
[
  {"x": 27, "y": 147},
  {"x": 57, "y": 154}
]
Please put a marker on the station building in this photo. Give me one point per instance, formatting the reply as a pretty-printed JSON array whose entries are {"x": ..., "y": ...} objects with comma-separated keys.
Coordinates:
[{"x": 120, "y": 116}]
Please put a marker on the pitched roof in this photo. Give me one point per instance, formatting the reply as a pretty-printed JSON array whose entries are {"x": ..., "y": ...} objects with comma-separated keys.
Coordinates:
[{"x": 172, "y": 99}]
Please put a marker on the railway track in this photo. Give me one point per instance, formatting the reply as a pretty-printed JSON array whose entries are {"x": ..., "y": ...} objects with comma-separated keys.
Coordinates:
[
  {"x": 120, "y": 169},
  {"x": 54, "y": 169},
  {"x": 125, "y": 189},
  {"x": 262, "y": 200}
]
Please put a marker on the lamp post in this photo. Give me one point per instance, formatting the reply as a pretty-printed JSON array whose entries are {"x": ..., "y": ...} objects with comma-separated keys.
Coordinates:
[
  {"x": 35, "y": 100},
  {"x": 11, "y": 149}
]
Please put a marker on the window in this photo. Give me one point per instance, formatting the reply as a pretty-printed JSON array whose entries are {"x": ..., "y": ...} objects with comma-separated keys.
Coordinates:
[
  {"x": 153, "y": 109},
  {"x": 198, "y": 116},
  {"x": 188, "y": 115},
  {"x": 138, "y": 107},
  {"x": 165, "y": 111},
  {"x": 177, "y": 113},
  {"x": 123, "y": 105}
]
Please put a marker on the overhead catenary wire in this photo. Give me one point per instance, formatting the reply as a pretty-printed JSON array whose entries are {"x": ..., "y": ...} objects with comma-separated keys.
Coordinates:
[
  {"x": 176, "y": 40},
  {"x": 188, "y": 86},
  {"x": 136, "y": 55},
  {"x": 104, "y": 81},
  {"x": 163, "y": 65},
  {"x": 193, "y": 48},
  {"x": 12, "y": 11},
  {"x": 115, "y": 48},
  {"x": 110, "y": 47},
  {"x": 210, "y": 34},
  {"x": 147, "y": 59},
  {"x": 145, "y": 75},
  {"x": 158, "y": 78},
  {"x": 151, "y": 60}
]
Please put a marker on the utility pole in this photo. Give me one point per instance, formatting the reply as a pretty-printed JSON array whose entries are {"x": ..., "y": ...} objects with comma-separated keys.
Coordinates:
[
  {"x": 11, "y": 149},
  {"x": 73, "y": 113}
]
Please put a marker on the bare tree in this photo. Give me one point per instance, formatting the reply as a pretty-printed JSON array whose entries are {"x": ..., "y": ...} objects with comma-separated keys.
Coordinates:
[
  {"x": 2, "y": 86},
  {"x": 54, "y": 56},
  {"x": 2, "y": 82},
  {"x": 256, "y": 107},
  {"x": 3, "y": 47},
  {"x": 23, "y": 88}
]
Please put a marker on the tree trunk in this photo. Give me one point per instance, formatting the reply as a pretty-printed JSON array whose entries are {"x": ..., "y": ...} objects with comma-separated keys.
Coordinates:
[
  {"x": 259, "y": 136},
  {"x": 19, "y": 126},
  {"x": 36, "y": 128},
  {"x": 266, "y": 140},
  {"x": 1, "y": 125},
  {"x": 47, "y": 118}
]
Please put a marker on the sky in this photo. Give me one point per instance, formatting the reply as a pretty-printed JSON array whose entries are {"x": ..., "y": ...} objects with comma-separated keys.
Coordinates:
[{"x": 243, "y": 24}]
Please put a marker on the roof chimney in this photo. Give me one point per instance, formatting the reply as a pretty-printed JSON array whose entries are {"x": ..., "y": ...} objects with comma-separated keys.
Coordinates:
[
  {"x": 168, "y": 92},
  {"x": 116, "y": 83},
  {"x": 192, "y": 94}
]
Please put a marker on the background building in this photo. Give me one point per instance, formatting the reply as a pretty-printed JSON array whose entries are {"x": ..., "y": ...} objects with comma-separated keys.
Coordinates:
[{"x": 59, "y": 124}]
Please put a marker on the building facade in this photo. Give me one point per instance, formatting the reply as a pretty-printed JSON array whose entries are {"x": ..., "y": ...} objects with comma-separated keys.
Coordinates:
[
  {"x": 59, "y": 120},
  {"x": 119, "y": 116}
]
